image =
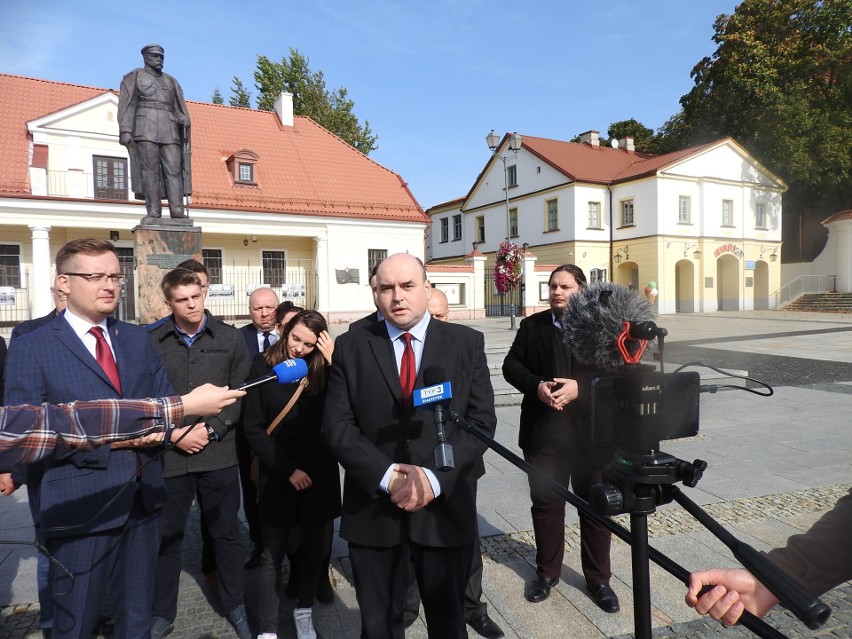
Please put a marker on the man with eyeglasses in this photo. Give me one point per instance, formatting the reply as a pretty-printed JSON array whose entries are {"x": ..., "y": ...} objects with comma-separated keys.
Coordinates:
[{"x": 97, "y": 509}]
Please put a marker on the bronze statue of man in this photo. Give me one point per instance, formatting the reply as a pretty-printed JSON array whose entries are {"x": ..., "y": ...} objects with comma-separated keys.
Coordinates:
[{"x": 153, "y": 124}]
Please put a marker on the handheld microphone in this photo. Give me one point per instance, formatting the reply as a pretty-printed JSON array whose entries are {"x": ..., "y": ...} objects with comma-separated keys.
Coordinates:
[
  {"x": 595, "y": 323},
  {"x": 287, "y": 372},
  {"x": 439, "y": 396}
]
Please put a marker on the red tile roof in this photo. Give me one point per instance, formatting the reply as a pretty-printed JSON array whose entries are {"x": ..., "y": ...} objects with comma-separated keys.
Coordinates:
[
  {"x": 839, "y": 216},
  {"x": 22, "y": 100},
  {"x": 602, "y": 164},
  {"x": 303, "y": 169}
]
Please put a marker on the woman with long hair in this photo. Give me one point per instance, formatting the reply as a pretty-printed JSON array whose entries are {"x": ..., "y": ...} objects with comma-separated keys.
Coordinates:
[{"x": 299, "y": 483}]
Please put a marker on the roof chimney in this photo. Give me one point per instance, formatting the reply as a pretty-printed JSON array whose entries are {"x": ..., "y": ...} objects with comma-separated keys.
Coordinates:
[
  {"x": 284, "y": 108},
  {"x": 626, "y": 143},
  {"x": 591, "y": 137}
]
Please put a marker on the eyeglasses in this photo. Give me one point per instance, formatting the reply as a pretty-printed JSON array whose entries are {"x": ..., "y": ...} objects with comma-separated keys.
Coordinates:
[{"x": 101, "y": 278}]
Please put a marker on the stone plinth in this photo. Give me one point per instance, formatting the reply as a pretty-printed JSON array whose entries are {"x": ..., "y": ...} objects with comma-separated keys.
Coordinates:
[{"x": 159, "y": 249}]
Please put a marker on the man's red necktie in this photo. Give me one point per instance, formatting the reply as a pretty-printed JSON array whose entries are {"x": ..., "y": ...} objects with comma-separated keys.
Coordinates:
[
  {"x": 407, "y": 370},
  {"x": 105, "y": 359}
]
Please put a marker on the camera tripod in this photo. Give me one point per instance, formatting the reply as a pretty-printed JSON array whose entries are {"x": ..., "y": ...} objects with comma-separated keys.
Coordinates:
[{"x": 639, "y": 484}]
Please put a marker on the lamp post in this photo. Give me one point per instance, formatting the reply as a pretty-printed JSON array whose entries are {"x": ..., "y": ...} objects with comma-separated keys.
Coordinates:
[{"x": 515, "y": 142}]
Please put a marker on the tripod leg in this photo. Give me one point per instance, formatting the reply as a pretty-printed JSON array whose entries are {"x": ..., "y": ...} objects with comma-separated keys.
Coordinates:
[{"x": 641, "y": 576}]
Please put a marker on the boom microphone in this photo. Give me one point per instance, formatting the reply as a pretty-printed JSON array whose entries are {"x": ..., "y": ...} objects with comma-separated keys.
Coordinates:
[
  {"x": 287, "y": 372},
  {"x": 595, "y": 325}
]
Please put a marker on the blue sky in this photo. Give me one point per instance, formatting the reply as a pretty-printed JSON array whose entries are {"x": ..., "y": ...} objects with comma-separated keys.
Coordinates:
[{"x": 432, "y": 78}]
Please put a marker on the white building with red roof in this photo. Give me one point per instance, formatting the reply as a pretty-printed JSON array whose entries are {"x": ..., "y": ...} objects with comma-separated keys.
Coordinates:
[
  {"x": 703, "y": 224},
  {"x": 280, "y": 200}
]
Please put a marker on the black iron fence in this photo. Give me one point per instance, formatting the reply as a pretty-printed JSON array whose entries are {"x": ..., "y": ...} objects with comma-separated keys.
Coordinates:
[{"x": 500, "y": 304}]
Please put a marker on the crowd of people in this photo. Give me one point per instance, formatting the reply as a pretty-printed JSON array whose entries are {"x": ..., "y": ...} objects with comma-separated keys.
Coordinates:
[{"x": 117, "y": 429}]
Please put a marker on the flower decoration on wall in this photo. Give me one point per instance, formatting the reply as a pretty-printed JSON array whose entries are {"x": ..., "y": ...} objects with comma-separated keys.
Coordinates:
[{"x": 508, "y": 270}]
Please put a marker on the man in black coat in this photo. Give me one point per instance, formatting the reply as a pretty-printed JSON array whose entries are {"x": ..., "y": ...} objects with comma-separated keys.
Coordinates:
[
  {"x": 197, "y": 348},
  {"x": 554, "y": 436},
  {"x": 397, "y": 507}
]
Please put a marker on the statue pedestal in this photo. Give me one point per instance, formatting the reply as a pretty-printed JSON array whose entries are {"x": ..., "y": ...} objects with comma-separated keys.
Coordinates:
[{"x": 160, "y": 247}]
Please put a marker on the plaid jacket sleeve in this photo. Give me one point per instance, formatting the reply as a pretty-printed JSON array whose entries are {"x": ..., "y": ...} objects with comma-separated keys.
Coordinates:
[{"x": 29, "y": 433}]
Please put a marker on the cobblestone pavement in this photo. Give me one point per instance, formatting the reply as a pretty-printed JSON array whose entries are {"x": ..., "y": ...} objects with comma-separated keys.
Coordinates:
[{"x": 509, "y": 553}]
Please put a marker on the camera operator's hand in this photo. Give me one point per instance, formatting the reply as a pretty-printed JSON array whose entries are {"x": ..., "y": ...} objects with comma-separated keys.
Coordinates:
[
  {"x": 734, "y": 590},
  {"x": 557, "y": 393}
]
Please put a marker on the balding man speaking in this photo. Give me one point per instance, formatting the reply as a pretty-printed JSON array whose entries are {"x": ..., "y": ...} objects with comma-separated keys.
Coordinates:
[{"x": 387, "y": 449}]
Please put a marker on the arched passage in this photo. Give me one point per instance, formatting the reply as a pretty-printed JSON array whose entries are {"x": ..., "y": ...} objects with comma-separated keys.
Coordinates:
[
  {"x": 684, "y": 286},
  {"x": 728, "y": 283},
  {"x": 761, "y": 285}
]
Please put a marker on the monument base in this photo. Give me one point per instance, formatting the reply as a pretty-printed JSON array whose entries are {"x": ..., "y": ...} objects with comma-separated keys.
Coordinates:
[
  {"x": 160, "y": 247},
  {"x": 165, "y": 222}
]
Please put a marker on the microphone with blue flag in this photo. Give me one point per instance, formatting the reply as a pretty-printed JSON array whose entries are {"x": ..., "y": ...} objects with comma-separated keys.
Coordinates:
[
  {"x": 287, "y": 372},
  {"x": 438, "y": 396}
]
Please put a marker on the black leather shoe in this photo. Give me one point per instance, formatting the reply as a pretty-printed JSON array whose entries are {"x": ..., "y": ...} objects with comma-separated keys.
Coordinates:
[
  {"x": 539, "y": 589},
  {"x": 253, "y": 560},
  {"x": 604, "y": 596},
  {"x": 486, "y": 627}
]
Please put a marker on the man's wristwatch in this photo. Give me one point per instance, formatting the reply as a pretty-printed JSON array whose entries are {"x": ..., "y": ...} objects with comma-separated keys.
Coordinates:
[{"x": 212, "y": 435}]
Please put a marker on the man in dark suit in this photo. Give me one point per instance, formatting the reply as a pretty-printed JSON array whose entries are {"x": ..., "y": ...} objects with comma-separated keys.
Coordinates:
[
  {"x": 554, "y": 440},
  {"x": 398, "y": 509},
  {"x": 29, "y": 326},
  {"x": 260, "y": 334},
  {"x": 98, "y": 509}
]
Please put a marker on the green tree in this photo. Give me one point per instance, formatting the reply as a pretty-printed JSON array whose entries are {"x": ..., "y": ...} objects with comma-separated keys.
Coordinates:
[
  {"x": 780, "y": 83},
  {"x": 217, "y": 97},
  {"x": 643, "y": 137},
  {"x": 331, "y": 109},
  {"x": 240, "y": 96}
]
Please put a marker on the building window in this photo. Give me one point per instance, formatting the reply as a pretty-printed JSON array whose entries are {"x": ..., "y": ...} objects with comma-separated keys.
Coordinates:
[
  {"x": 552, "y": 216},
  {"x": 627, "y": 213},
  {"x": 594, "y": 215},
  {"x": 727, "y": 212},
  {"x": 241, "y": 166},
  {"x": 597, "y": 275},
  {"x": 274, "y": 268},
  {"x": 246, "y": 173},
  {"x": 375, "y": 257},
  {"x": 683, "y": 209},
  {"x": 10, "y": 265},
  {"x": 445, "y": 229},
  {"x": 110, "y": 178},
  {"x": 512, "y": 175},
  {"x": 760, "y": 215},
  {"x": 212, "y": 259},
  {"x": 513, "y": 222},
  {"x": 457, "y": 227},
  {"x": 480, "y": 229}
]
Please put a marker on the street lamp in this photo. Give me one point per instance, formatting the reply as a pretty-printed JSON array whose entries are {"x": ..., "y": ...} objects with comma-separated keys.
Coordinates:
[
  {"x": 617, "y": 257},
  {"x": 687, "y": 246},
  {"x": 515, "y": 142},
  {"x": 772, "y": 255}
]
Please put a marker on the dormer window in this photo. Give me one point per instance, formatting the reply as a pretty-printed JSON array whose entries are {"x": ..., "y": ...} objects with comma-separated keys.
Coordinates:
[{"x": 241, "y": 166}]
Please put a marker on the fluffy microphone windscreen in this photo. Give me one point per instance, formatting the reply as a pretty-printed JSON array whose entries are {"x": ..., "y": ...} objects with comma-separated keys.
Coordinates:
[{"x": 594, "y": 320}]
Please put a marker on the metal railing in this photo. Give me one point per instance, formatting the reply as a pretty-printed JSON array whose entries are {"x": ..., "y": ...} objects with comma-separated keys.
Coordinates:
[{"x": 804, "y": 284}]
